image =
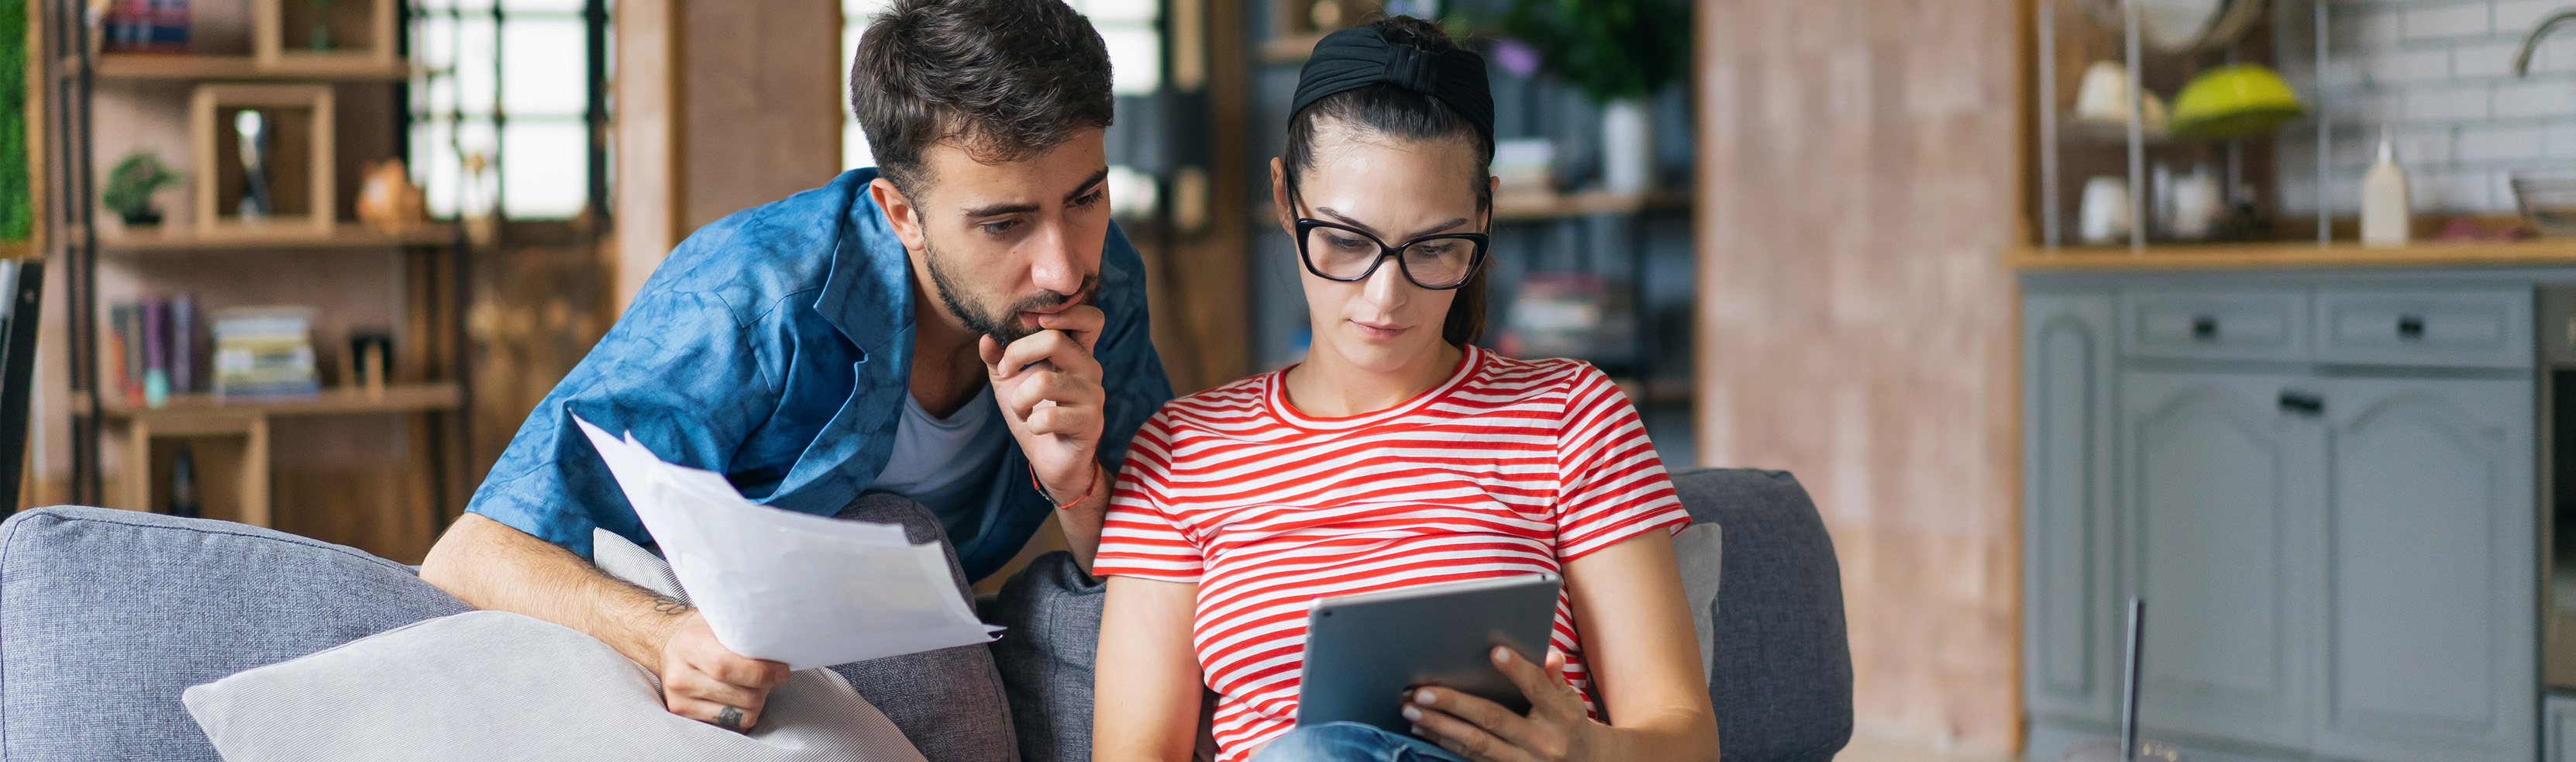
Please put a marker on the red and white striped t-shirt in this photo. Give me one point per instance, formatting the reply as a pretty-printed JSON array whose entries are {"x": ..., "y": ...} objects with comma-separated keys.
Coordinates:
[{"x": 1507, "y": 468}]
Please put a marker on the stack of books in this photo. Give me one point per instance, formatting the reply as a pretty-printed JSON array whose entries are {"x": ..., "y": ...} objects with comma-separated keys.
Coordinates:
[
  {"x": 143, "y": 26},
  {"x": 156, "y": 349},
  {"x": 264, "y": 351}
]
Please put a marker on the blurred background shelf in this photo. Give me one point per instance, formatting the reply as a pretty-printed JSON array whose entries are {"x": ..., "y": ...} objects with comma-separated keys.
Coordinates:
[
  {"x": 1512, "y": 207},
  {"x": 1290, "y": 49},
  {"x": 399, "y": 398},
  {"x": 116, "y": 66},
  {"x": 2299, "y": 254},
  {"x": 281, "y": 236}
]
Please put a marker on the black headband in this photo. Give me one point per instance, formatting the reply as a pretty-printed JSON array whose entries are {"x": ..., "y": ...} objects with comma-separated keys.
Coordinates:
[{"x": 1359, "y": 56}]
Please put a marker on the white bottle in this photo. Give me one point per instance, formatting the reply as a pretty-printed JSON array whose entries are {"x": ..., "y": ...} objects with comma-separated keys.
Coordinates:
[{"x": 2386, "y": 218}]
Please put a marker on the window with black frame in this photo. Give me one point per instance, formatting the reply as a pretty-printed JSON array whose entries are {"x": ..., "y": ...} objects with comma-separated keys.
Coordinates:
[
  {"x": 1132, "y": 31},
  {"x": 508, "y": 110}
]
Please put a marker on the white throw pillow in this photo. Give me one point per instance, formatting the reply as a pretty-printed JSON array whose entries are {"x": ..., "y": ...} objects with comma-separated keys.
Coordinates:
[
  {"x": 1699, "y": 551},
  {"x": 497, "y": 685}
]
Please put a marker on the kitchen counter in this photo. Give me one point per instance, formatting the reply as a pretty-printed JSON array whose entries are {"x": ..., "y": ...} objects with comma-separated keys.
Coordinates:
[{"x": 2296, "y": 255}]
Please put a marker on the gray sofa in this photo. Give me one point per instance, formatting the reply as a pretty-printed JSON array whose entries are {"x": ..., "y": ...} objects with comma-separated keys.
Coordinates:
[{"x": 106, "y": 616}]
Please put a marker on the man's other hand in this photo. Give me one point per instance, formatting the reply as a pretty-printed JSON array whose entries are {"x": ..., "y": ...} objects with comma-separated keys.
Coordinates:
[{"x": 702, "y": 680}]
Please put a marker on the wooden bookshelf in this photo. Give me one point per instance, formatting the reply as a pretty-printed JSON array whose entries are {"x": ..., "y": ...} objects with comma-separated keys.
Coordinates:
[
  {"x": 397, "y": 398},
  {"x": 237, "y": 430},
  {"x": 148, "y": 66},
  {"x": 284, "y": 235},
  {"x": 1525, "y": 207}
]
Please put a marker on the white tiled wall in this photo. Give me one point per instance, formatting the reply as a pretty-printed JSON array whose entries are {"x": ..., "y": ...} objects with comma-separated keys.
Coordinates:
[{"x": 2439, "y": 74}]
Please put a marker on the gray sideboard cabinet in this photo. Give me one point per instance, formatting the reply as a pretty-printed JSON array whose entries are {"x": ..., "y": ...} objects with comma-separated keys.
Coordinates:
[{"x": 2325, "y": 489}]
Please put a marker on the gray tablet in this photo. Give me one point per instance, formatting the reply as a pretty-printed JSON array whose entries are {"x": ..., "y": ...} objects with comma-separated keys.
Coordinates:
[{"x": 1363, "y": 651}]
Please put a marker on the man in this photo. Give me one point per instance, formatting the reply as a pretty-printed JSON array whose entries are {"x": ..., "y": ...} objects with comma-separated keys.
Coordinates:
[{"x": 962, "y": 326}]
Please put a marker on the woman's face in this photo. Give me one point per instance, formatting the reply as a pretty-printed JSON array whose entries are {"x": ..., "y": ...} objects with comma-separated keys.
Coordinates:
[{"x": 1396, "y": 190}]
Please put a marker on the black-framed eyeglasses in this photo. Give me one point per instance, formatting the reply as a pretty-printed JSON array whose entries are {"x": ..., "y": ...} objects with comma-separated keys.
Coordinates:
[{"x": 1438, "y": 262}]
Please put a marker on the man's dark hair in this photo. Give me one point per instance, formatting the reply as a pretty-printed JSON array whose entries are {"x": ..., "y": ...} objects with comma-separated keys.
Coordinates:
[
  {"x": 1002, "y": 79},
  {"x": 1401, "y": 113}
]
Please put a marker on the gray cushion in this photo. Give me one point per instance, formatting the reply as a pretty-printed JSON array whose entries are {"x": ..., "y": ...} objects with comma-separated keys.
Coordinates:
[
  {"x": 496, "y": 685},
  {"x": 949, "y": 701},
  {"x": 1780, "y": 675},
  {"x": 106, "y": 615},
  {"x": 1053, "y": 611}
]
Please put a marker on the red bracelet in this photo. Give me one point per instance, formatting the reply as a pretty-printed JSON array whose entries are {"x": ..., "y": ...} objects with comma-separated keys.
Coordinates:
[{"x": 1086, "y": 491}]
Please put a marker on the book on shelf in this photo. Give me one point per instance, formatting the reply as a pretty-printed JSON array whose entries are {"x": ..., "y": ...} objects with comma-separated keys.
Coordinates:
[
  {"x": 123, "y": 354},
  {"x": 185, "y": 353},
  {"x": 153, "y": 351},
  {"x": 156, "y": 353},
  {"x": 143, "y": 26},
  {"x": 264, "y": 351}
]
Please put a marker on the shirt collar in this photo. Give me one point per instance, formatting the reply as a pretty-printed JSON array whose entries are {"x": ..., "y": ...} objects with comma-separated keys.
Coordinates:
[{"x": 869, "y": 293}]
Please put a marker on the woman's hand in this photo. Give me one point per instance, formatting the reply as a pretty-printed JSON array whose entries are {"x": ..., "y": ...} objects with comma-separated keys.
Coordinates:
[{"x": 1555, "y": 730}]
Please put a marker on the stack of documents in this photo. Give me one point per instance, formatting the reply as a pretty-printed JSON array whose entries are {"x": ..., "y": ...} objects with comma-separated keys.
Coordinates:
[{"x": 790, "y": 587}]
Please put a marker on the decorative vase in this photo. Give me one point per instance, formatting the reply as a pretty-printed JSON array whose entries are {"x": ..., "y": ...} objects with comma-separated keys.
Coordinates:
[{"x": 1627, "y": 146}]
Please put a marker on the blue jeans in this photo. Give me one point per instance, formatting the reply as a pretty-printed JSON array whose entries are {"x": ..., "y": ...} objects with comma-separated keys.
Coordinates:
[{"x": 1351, "y": 742}]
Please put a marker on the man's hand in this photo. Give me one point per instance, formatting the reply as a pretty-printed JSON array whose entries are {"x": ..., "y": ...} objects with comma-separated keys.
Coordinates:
[
  {"x": 1049, "y": 388},
  {"x": 702, "y": 680}
]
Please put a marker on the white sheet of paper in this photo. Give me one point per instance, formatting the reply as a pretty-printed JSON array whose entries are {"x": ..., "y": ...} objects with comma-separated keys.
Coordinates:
[{"x": 790, "y": 587}]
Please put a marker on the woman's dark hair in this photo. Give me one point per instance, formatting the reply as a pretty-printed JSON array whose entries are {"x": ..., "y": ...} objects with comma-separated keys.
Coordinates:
[
  {"x": 1007, "y": 79},
  {"x": 1397, "y": 112}
]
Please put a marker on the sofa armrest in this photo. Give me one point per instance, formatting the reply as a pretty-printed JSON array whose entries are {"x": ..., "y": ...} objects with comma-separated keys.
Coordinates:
[{"x": 106, "y": 616}]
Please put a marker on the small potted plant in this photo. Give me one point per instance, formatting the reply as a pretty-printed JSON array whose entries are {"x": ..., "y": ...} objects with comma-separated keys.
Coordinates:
[
  {"x": 130, "y": 187},
  {"x": 1620, "y": 52}
]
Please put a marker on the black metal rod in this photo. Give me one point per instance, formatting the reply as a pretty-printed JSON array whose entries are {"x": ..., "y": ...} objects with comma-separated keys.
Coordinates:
[
  {"x": 69, "y": 35},
  {"x": 594, "y": 16},
  {"x": 92, "y": 482},
  {"x": 2129, "y": 682}
]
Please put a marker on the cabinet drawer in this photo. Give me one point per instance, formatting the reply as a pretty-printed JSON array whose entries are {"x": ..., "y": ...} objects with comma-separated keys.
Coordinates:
[
  {"x": 2237, "y": 325},
  {"x": 2558, "y": 733},
  {"x": 2479, "y": 328}
]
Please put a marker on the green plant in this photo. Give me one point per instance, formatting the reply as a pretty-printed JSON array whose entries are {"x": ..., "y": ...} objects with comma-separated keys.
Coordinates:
[
  {"x": 130, "y": 185},
  {"x": 17, "y": 217},
  {"x": 1612, "y": 49}
]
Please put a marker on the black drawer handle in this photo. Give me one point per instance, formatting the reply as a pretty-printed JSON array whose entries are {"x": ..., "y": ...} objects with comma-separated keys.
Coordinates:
[
  {"x": 2302, "y": 403},
  {"x": 2204, "y": 328},
  {"x": 2410, "y": 327}
]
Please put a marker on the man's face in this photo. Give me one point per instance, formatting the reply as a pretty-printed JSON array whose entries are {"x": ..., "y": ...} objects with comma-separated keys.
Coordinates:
[{"x": 1000, "y": 244}]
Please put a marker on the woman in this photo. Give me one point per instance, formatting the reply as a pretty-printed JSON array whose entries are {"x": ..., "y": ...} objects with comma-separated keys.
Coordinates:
[{"x": 1398, "y": 454}]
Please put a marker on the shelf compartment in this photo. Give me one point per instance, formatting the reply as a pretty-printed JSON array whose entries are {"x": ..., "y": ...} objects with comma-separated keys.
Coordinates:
[{"x": 298, "y": 154}]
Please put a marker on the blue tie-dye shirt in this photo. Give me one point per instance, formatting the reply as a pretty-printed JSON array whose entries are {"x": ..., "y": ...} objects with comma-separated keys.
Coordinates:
[{"x": 774, "y": 346}]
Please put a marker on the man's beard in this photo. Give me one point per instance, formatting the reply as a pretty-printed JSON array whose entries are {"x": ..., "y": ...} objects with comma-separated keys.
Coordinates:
[{"x": 1004, "y": 324}]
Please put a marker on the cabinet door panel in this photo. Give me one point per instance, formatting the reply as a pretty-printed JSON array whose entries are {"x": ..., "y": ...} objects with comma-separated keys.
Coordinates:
[
  {"x": 2219, "y": 485},
  {"x": 2429, "y": 578},
  {"x": 2071, "y": 666}
]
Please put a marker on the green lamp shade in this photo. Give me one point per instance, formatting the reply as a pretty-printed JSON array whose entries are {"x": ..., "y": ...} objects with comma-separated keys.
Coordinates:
[{"x": 2232, "y": 101}]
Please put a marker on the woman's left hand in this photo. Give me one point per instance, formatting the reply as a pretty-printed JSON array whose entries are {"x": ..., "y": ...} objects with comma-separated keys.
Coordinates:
[{"x": 1555, "y": 730}]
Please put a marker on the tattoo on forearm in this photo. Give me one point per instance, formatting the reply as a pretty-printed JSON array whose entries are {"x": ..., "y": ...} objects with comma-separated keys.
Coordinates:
[
  {"x": 667, "y": 605},
  {"x": 729, "y": 719}
]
